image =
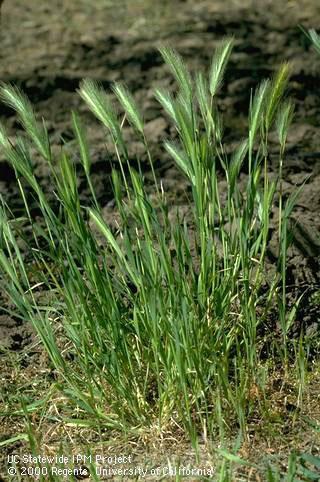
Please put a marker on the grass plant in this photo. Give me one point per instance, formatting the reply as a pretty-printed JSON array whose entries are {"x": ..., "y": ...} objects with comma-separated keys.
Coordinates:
[{"x": 156, "y": 324}]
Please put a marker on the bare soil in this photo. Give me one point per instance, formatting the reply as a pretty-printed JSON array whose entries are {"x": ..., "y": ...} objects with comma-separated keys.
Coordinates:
[{"x": 48, "y": 47}]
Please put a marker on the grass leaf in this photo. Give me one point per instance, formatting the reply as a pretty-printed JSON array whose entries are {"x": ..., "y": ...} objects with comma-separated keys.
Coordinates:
[{"x": 218, "y": 65}]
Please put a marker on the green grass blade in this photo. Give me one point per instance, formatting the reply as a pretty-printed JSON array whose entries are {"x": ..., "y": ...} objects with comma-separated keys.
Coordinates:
[
  {"x": 283, "y": 120},
  {"x": 179, "y": 70},
  {"x": 18, "y": 101},
  {"x": 100, "y": 105},
  {"x": 82, "y": 142},
  {"x": 181, "y": 159},
  {"x": 315, "y": 39},
  {"x": 276, "y": 93},
  {"x": 129, "y": 105},
  {"x": 167, "y": 102},
  {"x": 218, "y": 65}
]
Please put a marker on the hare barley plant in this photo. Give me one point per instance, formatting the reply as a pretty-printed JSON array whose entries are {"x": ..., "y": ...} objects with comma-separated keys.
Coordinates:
[{"x": 155, "y": 323}]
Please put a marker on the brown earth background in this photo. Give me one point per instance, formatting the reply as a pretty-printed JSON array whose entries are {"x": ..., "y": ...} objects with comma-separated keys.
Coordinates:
[{"x": 46, "y": 48}]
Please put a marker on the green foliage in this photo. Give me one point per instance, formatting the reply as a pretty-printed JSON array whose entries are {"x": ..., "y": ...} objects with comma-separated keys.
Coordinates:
[
  {"x": 315, "y": 39},
  {"x": 218, "y": 65},
  {"x": 160, "y": 319}
]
